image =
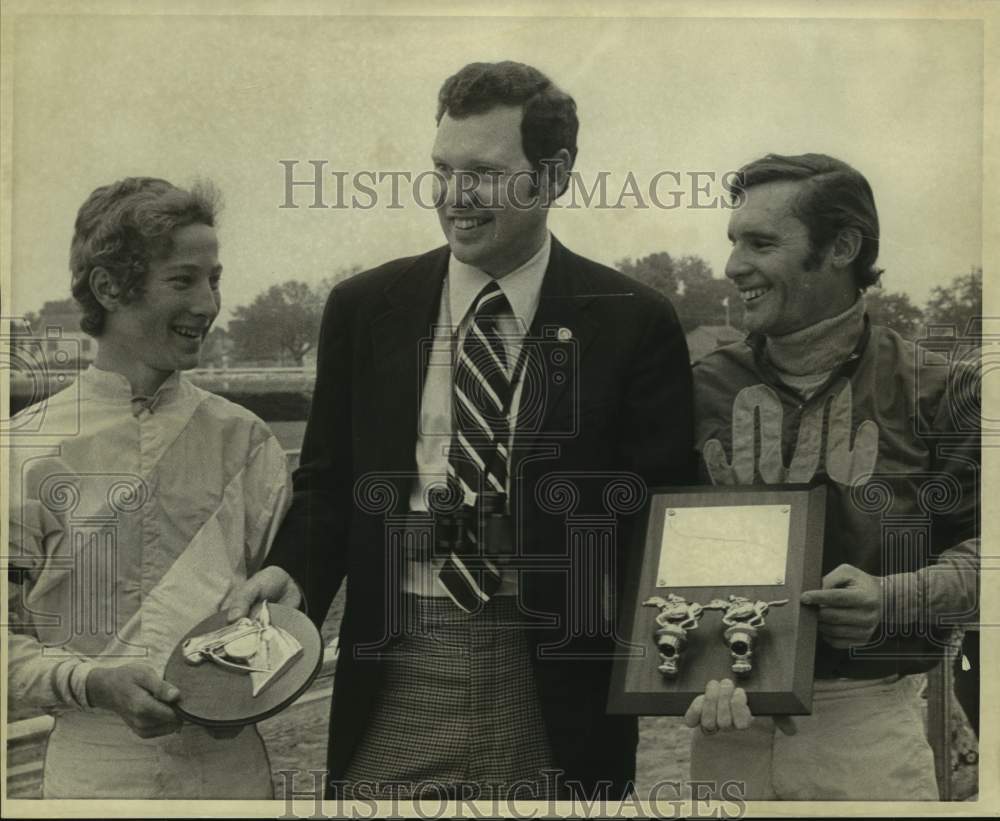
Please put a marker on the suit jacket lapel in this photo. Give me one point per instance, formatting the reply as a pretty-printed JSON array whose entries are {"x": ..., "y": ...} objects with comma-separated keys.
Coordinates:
[
  {"x": 401, "y": 339},
  {"x": 562, "y": 331}
]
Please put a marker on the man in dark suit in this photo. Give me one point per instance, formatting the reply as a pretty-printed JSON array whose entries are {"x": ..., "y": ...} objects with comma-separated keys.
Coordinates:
[{"x": 502, "y": 367}]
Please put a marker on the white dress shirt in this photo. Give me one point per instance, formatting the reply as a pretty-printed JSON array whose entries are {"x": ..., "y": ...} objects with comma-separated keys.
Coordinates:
[{"x": 522, "y": 287}]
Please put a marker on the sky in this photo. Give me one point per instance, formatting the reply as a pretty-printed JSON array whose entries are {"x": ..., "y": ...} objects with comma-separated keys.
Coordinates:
[{"x": 227, "y": 98}]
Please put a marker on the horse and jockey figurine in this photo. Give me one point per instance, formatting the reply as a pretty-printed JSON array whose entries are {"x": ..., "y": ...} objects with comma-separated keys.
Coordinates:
[{"x": 742, "y": 618}]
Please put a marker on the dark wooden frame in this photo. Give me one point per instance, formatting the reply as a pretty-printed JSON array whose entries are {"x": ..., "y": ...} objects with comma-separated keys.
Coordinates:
[{"x": 781, "y": 682}]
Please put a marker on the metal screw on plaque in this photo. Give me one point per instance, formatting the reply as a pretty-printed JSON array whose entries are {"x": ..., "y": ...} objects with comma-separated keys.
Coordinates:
[
  {"x": 660, "y": 582},
  {"x": 743, "y": 619},
  {"x": 677, "y": 616}
]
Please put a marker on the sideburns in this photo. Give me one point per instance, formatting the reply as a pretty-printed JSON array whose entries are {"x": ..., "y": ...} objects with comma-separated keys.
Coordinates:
[{"x": 813, "y": 259}]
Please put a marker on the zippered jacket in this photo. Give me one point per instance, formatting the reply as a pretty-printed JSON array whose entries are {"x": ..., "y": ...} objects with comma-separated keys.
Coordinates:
[{"x": 894, "y": 434}]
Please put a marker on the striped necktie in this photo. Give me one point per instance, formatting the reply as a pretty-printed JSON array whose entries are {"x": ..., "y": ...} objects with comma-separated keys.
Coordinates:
[{"x": 478, "y": 459}]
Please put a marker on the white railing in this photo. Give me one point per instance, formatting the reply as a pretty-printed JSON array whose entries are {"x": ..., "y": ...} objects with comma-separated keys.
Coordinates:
[
  {"x": 305, "y": 370},
  {"x": 267, "y": 372}
]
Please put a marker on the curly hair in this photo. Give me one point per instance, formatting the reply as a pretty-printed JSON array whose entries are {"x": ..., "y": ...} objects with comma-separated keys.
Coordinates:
[
  {"x": 834, "y": 196},
  {"x": 122, "y": 227},
  {"x": 549, "y": 121}
]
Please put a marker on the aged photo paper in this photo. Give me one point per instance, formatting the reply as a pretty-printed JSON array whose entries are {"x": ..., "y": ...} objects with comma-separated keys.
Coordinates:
[{"x": 315, "y": 121}]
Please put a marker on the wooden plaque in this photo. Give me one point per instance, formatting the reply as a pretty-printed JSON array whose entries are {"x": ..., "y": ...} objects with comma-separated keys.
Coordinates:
[{"x": 762, "y": 542}]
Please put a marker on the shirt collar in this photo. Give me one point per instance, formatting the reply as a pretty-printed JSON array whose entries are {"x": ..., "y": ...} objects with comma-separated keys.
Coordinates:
[
  {"x": 111, "y": 386},
  {"x": 522, "y": 286}
]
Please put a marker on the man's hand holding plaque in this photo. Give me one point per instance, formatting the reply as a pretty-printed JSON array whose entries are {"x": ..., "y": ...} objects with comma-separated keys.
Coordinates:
[
  {"x": 723, "y": 706},
  {"x": 850, "y": 606}
]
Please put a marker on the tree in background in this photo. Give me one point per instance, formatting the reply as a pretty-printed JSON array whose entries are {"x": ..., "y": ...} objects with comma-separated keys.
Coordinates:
[
  {"x": 282, "y": 323},
  {"x": 711, "y": 301},
  {"x": 29, "y": 323},
  {"x": 216, "y": 348},
  {"x": 894, "y": 310},
  {"x": 326, "y": 284},
  {"x": 958, "y": 303},
  {"x": 64, "y": 313},
  {"x": 657, "y": 271},
  {"x": 703, "y": 299},
  {"x": 699, "y": 297}
]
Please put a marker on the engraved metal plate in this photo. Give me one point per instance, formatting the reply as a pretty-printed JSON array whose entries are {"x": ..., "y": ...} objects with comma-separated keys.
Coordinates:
[{"x": 727, "y": 546}]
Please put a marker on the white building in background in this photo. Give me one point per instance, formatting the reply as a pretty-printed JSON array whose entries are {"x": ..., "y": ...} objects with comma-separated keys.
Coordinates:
[{"x": 53, "y": 341}]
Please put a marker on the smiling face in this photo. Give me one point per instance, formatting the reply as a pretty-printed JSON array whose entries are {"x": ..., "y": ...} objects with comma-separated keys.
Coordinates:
[
  {"x": 162, "y": 330},
  {"x": 768, "y": 264},
  {"x": 490, "y": 213}
]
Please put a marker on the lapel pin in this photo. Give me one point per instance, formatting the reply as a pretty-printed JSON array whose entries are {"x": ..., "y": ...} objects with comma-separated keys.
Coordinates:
[{"x": 564, "y": 334}]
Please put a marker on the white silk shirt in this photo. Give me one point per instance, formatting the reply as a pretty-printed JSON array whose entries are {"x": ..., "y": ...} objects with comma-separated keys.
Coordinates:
[{"x": 128, "y": 526}]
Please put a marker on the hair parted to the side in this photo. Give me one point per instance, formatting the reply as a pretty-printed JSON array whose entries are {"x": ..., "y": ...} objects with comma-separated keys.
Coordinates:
[
  {"x": 834, "y": 196},
  {"x": 122, "y": 227},
  {"x": 549, "y": 121}
]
